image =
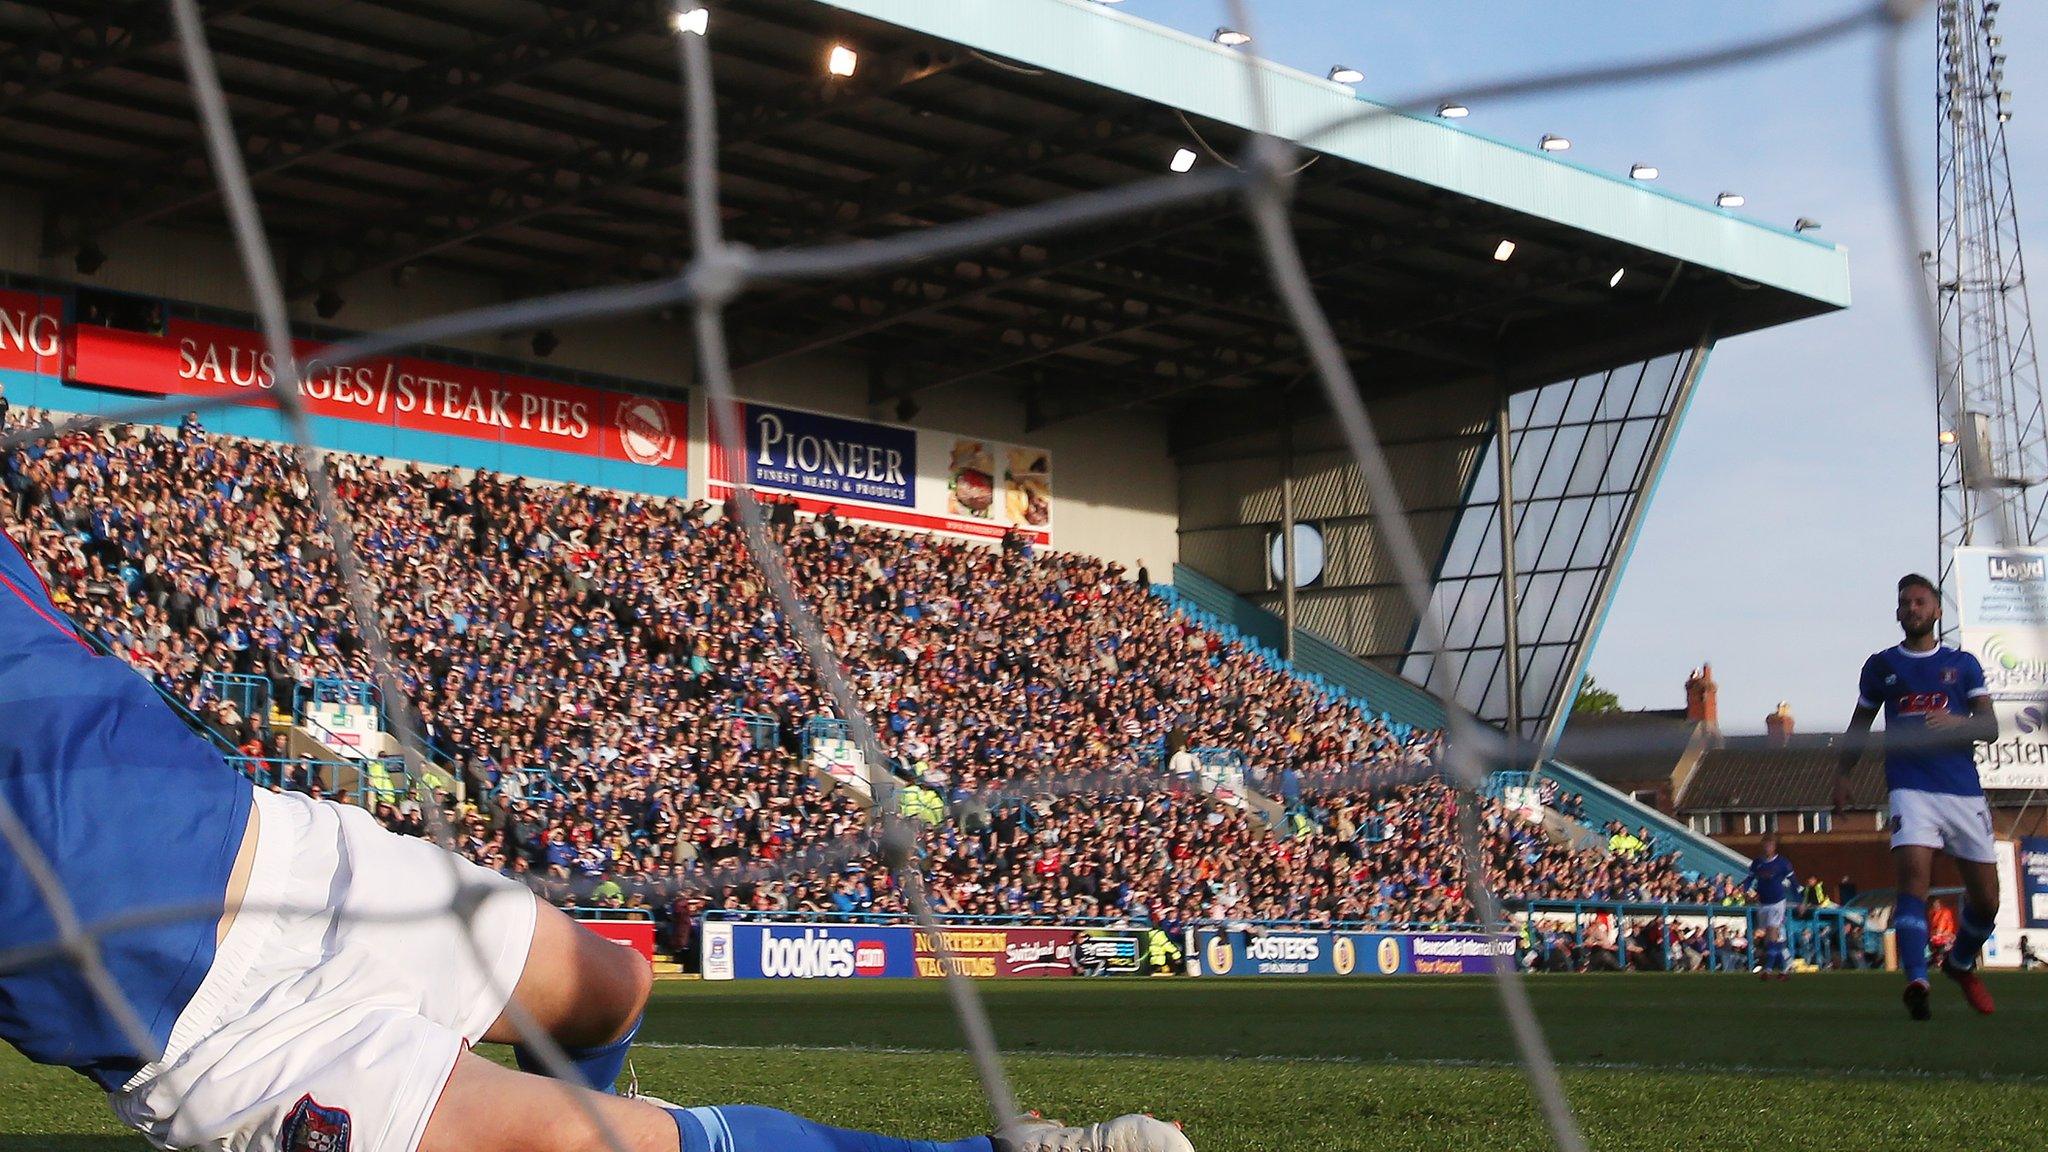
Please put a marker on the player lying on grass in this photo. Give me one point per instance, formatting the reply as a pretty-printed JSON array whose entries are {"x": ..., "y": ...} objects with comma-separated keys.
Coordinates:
[
  {"x": 326, "y": 1001},
  {"x": 1936, "y": 710}
]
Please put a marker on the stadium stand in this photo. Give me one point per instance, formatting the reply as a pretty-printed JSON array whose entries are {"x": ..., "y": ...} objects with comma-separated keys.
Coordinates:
[{"x": 611, "y": 685}]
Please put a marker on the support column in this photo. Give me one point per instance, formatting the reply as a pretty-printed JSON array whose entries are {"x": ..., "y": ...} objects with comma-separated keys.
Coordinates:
[
  {"x": 1511, "y": 602},
  {"x": 1287, "y": 526}
]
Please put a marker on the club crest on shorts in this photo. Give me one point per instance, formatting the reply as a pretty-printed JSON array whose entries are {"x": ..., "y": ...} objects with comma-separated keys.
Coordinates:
[{"x": 314, "y": 1127}]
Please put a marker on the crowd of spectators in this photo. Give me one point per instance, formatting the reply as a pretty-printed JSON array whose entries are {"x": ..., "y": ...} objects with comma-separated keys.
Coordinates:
[{"x": 612, "y": 690}]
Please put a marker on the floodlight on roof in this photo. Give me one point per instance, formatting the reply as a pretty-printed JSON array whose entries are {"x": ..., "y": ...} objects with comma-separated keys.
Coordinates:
[
  {"x": 1503, "y": 250},
  {"x": 1729, "y": 200},
  {"x": 1182, "y": 160},
  {"x": 1346, "y": 75},
  {"x": 1805, "y": 224},
  {"x": 1231, "y": 37},
  {"x": 1551, "y": 143},
  {"x": 695, "y": 20},
  {"x": 1453, "y": 111},
  {"x": 1642, "y": 171},
  {"x": 842, "y": 60},
  {"x": 1614, "y": 281}
]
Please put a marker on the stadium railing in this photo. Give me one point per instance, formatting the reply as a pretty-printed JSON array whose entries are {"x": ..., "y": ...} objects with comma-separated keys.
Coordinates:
[
  {"x": 762, "y": 731},
  {"x": 584, "y": 912},
  {"x": 1407, "y": 707},
  {"x": 1601, "y": 804},
  {"x": 193, "y": 720},
  {"x": 250, "y": 694},
  {"x": 1817, "y": 935},
  {"x": 353, "y": 779}
]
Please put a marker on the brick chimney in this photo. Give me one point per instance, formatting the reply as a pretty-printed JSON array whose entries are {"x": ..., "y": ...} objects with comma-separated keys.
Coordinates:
[
  {"x": 1778, "y": 725},
  {"x": 1703, "y": 697}
]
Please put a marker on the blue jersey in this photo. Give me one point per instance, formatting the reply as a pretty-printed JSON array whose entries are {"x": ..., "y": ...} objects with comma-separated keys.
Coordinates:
[
  {"x": 131, "y": 809},
  {"x": 1910, "y": 686},
  {"x": 1771, "y": 878}
]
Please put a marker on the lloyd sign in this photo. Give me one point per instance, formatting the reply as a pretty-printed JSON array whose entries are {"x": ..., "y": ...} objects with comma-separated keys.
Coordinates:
[{"x": 2002, "y": 619}]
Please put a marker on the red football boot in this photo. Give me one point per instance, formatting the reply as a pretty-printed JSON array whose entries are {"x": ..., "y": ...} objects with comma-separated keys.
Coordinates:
[{"x": 1973, "y": 988}]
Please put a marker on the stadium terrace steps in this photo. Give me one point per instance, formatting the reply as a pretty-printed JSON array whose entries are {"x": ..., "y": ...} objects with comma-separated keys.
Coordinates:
[
  {"x": 1602, "y": 803},
  {"x": 1407, "y": 706}
]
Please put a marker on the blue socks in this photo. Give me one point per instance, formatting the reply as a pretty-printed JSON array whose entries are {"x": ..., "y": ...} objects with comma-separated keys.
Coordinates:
[
  {"x": 747, "y": 1128},
  {"x": 1909, "y": 922},
  {"x": 599, "y": 1067},
  {"x": 1971, "y": 934},
  {"x": 1774, "y": 956}
]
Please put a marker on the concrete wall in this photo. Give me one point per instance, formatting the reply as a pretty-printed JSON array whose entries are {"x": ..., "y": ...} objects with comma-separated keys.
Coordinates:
[{"x": 1230, "y": 507}]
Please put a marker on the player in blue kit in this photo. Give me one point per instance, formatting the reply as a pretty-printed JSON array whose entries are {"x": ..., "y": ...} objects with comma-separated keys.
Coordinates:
[
  {"x": 1772, "y": 879},
  {"x": 322, "y": 998},
  {"x": 1936, "y": 709}
]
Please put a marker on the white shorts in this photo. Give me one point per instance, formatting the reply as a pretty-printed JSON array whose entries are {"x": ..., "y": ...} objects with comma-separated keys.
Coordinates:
[
  {"x": 1958, "y": 825},
  {"x": 1771, "y": 916},
  {"x": 341, "y": 997}
]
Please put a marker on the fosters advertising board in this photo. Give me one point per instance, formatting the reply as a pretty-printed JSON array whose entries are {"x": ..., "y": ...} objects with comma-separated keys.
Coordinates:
[
  {"x": 888, "y": 474},
  {"x": 1279, "y": 953},
  {"x": 2002, "y": 619}
]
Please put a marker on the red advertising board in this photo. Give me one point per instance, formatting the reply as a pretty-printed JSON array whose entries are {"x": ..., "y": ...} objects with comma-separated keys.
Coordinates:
[
  {"x": 1002, "y": 952},
  {"x": 32, "y": 333},
  {"x": 198, "y": 359},
  {"x": 635, "y": 934}
]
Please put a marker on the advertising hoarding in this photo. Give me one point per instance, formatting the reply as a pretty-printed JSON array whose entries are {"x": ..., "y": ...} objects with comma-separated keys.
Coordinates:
[
  {"x": 635, "y": 934},
  {"x": 806, "y": 951},
  {"x": 1005, "y": 952},
  {"x": 2033, "y": 875},
  {"x": 1278, "y": 952},
  {"x": 405, "y": 394},
  {"x": 892, "y": 475},
  {"x": 1110, "y": 952},
  {"x": 735, "y": 950},
  {"x": 2002, "y": 618}
]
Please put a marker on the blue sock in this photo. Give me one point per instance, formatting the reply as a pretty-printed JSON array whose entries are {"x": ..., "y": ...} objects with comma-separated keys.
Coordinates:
[
  {"x": 1774, "y": 956},
  {"x": 599, "y": 1066},
  {"x": 1909, "y": 922},
  {"x": 1971, "y": 934},
  {"x": 747, "y": 1128}
]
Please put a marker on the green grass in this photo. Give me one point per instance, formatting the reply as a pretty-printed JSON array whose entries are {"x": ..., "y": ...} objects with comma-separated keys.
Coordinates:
[{"x": 1651, "y": 1062}]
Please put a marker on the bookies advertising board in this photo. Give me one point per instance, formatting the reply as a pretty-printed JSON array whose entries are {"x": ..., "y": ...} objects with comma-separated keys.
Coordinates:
[
  {"x": 735, "y": 950},
  {"x": 892, "y": 475},
  {"x": 806, "y": 951},
  {"x": 1278, "y": 952},
  {"x": 2002, "y": 619}
]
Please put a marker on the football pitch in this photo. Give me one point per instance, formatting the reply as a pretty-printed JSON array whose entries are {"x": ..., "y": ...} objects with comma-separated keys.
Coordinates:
[{"x": 1651, "y": 1061}]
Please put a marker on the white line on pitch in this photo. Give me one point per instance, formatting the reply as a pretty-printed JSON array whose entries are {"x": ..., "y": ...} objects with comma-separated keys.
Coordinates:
[{"x": 1848, "y": 1073}]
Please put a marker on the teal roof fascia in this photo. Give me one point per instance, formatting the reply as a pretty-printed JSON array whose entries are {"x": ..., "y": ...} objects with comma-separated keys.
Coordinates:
[{"x": 1097, "y": 44}]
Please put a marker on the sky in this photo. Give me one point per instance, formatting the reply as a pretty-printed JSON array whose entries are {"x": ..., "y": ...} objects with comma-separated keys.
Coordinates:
[{"x": 1803, "y": 484}]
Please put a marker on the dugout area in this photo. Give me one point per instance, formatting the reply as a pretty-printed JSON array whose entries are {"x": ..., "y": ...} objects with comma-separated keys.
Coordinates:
[{"x": 416, "y": 156}]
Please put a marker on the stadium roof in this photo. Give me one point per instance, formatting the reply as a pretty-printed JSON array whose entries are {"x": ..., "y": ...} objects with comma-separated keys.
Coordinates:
[{"x": 539, "y": 145}]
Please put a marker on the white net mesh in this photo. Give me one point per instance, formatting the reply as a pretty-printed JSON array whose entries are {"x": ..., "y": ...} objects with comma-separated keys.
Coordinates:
[{"x": 720, "y": 272}]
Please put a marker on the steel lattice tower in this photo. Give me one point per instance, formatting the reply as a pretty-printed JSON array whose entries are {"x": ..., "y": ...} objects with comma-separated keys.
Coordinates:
[{"x": 1994, "y": 445}]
